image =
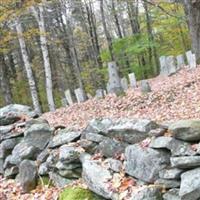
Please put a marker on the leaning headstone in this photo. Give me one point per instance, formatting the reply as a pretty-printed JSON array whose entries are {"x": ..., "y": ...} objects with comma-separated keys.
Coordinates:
[
  {"x": 132, "y": 79},
  {"x": 80, "y": 95},
  {"x": 145, "y": 86},
  {"x": 114, "y": 80},
  {"x": 170, "y": 61},
  {"x": 180, "y": 61},
  {"x": 191, "y": 59},
  {"x": 124, "y": 83},
  {"x": 163, "y": 66},
  {"x": 99, "y": 93},
  {"x": 68, "y": 97}
]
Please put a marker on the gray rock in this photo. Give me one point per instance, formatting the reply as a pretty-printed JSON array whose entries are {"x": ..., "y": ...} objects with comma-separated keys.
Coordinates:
[
  {"x": 71, "y": 174},
  {"x": 167, "y": 183},
  {"x": 38, "y": 135},
  {"x": 11, "y": 172},
  {"x": 6, "y": 129},
  {"x": 42, "y": 157},
  {"x": 111, "y": 148},
  {"x": 1, "y": 166},
  {"x": 68, "y": 166},
  {"x": 27, "y": 175},
  {"x": 68, "y": 154},
  {"x": 32, "y": 122},
  {"x": 177, "y": 147},
  {"x": 185, "y": 162},
  {"x": 12, "y": 113},
  {"x": 58, "y": 180},
  {"x": 114, "y": 165},
  {"x": 84, "y": 157},
  {"x": 172, "y": 194},
  {"x": 88, "y": 146},
  {"x": 7, "y": 146},
  {"x": 43, "y": 169},
  {"x": 52, "y": 159},
  {"x": 145, "y": 163},
  {"x": 131, "y": 130},
  {"x": 96, "y": 178},
  {"x": 23, "y": 151},
  {"x": 157, "y": 132},
  {"x": 187, "y": 130},
  {"x": 190, "y": 185},
  {"x": 173, "y": 173},
  {"x": 64, "y": 137},
  {"x": 146, "y": 193},
  {"x": 145, "y": 86},
  {"x": 94, "y": 137}
]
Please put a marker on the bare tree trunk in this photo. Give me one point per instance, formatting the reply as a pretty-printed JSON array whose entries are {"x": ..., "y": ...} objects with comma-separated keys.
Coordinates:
[
  {"x": 28, "y": 68},
  {"x": 4, "y": 82},
  {"x": 192, "y": 9},
  {"x": 48, "y": 75}
]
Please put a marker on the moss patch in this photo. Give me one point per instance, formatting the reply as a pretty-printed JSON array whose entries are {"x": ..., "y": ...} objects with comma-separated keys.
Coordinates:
[{"x": 78, "y": 193}]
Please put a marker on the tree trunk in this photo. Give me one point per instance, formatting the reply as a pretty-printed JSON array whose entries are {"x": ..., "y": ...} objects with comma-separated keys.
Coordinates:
[
  {"x": 48, "y": 75},
  {"x": 4, "y": 81},
  {"x": 28, "y": 68},
  {"x": 192, "y": 9}
]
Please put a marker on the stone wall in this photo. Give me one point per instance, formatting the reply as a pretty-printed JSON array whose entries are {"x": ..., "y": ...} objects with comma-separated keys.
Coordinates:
[{"x": 132, "y": 159}]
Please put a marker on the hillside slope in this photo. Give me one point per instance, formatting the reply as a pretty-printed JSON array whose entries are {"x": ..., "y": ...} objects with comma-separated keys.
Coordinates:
[{"x": 175, "y": 97}]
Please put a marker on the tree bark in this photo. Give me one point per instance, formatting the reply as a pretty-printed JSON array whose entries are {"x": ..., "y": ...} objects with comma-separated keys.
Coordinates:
[
  {"x": 43, "y": 40},
  {"x": 29, "y": 72}
]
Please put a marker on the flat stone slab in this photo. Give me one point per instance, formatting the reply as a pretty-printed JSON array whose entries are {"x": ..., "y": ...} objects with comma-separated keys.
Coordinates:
[
  {"x": 187, "y": 130},
  {"x": 64, "y": 137},
  {"x": 167, "y": 183},
  {"x": 185, "y": 162},
  {"x": 177, "y": 147},
  {"x": 145, "y": 163},
  {"x": 190, "y": 185},
  {"x": 173, "y": 173}
]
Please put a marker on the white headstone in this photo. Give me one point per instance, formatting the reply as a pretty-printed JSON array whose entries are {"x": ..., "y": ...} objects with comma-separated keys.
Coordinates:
[
  {"x": 68, "y": 97},
  {"x": 191, "y": 59},
  {"x": 180, "y": 61},
  {"x": 171, "y": 63},
  {"x": 163, "y": 66},
  {"x": 124, "y": 83},
  {"x": 114, "y": 80},
  {"x": 132, "y": 80},
  {"x": 80, "y": 96},
  {"x": 99, "y": 93}
]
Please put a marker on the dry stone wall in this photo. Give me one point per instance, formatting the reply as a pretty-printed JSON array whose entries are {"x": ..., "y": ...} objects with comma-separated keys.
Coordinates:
[{"x": 158, "y": 161}]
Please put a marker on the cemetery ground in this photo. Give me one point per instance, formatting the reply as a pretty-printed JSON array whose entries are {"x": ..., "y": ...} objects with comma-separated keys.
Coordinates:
[{"x": 172, "y": 98}]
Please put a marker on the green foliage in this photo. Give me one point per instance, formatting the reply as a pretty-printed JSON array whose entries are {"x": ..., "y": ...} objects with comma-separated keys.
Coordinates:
[{"x": 77, "y": 193}]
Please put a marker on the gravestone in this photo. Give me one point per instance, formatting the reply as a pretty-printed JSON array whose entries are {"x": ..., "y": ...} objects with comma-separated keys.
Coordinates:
[
  {"x": 99, "y": 93},
  {"x": 145, "y": 86},
  {"x": 180, "y": 61},
  {"x": 114, "y": 83},
  {"x": 80, "y": 95},
  {"x": 171, "y": 64},
  {"x": 163, "y": 66},
  {"x": 132, "y": 80},
  {"x": 124, "y": 83},
  {"x": 68, "y": 97},
  {"x": 191, "y": 59}
]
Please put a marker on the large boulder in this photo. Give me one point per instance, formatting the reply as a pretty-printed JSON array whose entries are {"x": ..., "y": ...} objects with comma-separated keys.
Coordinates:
[
  {"x": 190, "y": 185},
  {"x": 187, "y": 130},
  {"x": 111, "y": 148},
  {"x": 131, "y": 130},
  {"x": 38, "y": 135},
  {"x": 145, "y": 163},
  {"x": 63, "y": 137},
  {"x": 177, "y": 147},
  {"x": 27, "y": 175},
  {"x": 12, "y": 113},
  {"x": 96, "y": 177}
]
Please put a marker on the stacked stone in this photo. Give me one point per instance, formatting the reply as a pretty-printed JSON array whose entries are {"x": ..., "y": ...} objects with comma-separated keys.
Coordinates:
[{"x": 155, "y": 156}]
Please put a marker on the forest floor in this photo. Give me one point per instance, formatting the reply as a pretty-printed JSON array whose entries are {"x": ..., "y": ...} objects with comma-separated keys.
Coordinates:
[{"x": 175, "y": 97}]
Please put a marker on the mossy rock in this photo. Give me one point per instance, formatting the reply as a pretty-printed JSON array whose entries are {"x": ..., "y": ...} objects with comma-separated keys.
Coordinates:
[{"x": 77, "y": 193}]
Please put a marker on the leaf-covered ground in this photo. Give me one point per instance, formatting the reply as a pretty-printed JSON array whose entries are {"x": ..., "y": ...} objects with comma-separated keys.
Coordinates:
[{"x": 175, "y": 97}]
